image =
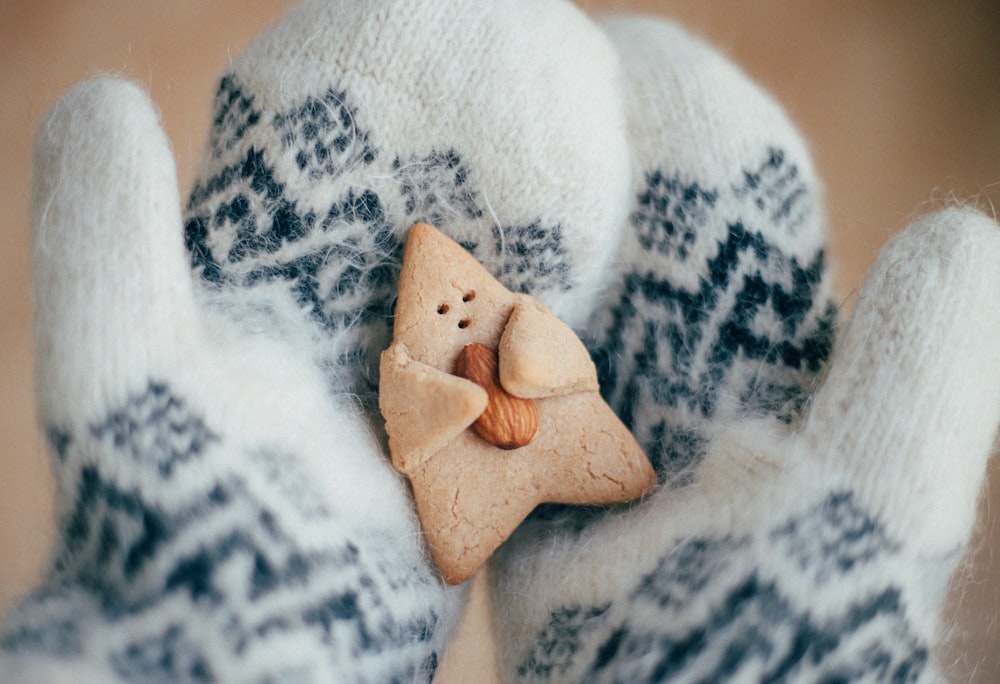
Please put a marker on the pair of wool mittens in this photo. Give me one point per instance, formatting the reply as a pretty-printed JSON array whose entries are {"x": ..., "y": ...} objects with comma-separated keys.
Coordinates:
[{"x": 208, "y": 378}]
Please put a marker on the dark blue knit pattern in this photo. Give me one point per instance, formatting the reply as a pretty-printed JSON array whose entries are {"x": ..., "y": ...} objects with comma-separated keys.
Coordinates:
[
  {"x": 183, "y": 579},
  {"x": 713, "y": 305},
  {"x": 709, "y": 612},
  {"x": 257, "y": 222}
]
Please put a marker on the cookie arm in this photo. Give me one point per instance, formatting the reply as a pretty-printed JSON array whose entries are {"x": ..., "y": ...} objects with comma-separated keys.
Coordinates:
[
  {"x": 424, "y": 408},
  {"x": 540, "y": 356}
]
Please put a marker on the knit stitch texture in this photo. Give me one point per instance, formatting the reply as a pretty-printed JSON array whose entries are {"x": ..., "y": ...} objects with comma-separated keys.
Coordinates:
[{"x": 207, "y": 376}]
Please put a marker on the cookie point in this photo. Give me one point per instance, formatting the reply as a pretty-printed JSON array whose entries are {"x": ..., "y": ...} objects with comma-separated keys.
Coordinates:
[
  {"x": 421, "y": 228},
  {"x": 424, "y": 232}
]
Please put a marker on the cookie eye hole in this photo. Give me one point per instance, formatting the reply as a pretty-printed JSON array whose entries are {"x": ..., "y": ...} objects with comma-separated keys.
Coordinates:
[
  {"x": 464, "y": 323},
  {"x": 469, "y": 296},
  {"x": 443, "y": 309}
]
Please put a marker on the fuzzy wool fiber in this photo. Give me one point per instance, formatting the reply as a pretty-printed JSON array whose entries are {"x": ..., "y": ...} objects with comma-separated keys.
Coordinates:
[{"x": 207, "y": 372}]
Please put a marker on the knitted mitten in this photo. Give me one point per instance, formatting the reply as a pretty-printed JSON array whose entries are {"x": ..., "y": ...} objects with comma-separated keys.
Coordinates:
[
  {"x": 226, "y": 510},
  {"x": 221, "y": 513},
  {"x": 499, "y": 124},
  {"x": 787, "y": 544}
]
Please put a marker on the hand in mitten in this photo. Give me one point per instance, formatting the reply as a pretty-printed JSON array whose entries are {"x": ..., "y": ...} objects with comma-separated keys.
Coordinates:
[
  {"x": 222, "y": 514},
  {"x": 808, "y": 525},
  {"x": 225, "y": 510}
]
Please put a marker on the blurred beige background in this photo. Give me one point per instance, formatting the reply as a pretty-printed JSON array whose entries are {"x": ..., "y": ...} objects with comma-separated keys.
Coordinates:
[{"x": 899, "y": 99}]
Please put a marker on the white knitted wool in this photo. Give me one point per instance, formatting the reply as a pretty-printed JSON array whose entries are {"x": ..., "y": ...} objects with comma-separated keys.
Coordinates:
[
  {"x": 721, "y": 303},
  {"x": 781, "y": 549},
  {"x": 226, "y": 513},
  {"x": 222, "y": 515},
  {"x": 819, "y": 552},
  {"x": 346, "y": 123}
]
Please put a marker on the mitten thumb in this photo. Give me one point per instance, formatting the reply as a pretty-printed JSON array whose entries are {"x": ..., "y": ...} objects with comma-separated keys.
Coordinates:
[
  {"x": 912, "y": 402},
  {"x": 113, "y": 293}
]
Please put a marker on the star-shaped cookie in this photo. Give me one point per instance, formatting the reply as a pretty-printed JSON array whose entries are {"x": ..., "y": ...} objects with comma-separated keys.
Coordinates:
[{"x": 471, "y": 493}]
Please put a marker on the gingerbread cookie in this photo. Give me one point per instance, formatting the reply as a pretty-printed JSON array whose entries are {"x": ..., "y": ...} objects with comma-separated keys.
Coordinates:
[{"x": 492, "y": 407}]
